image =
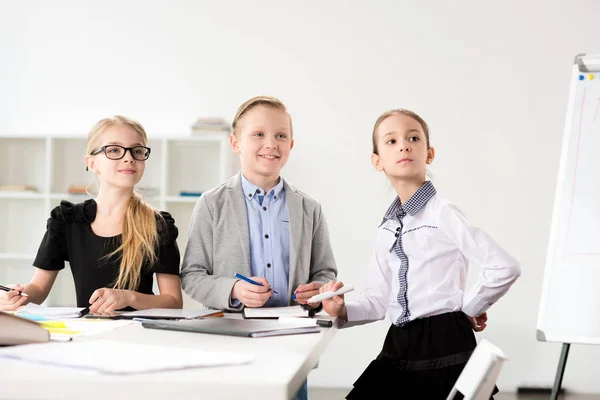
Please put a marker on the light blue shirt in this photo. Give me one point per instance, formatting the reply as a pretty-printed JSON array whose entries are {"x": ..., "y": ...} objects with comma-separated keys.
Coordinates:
[{"x": 269, "y": 231}]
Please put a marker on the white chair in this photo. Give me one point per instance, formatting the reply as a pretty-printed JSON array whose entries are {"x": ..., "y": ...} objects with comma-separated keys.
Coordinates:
[{"x": 477, "y": 379}]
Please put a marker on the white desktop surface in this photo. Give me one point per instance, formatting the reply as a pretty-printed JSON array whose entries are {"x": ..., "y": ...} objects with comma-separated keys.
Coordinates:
[{"x": 280, "y": 366}]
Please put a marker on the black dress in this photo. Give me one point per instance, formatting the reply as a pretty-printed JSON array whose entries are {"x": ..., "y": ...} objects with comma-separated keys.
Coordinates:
[{"x": 69, "y": 237}]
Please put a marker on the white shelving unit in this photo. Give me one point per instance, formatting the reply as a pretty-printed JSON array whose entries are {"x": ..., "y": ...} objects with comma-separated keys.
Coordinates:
[{"x": 53, "y": 163}]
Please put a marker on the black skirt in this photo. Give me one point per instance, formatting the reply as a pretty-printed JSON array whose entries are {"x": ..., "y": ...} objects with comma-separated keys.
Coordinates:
[{"x": 420, "y": 360}]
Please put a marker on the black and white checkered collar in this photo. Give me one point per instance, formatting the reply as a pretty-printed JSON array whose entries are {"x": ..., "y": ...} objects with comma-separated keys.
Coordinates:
[{"x": 416, "y": 202}]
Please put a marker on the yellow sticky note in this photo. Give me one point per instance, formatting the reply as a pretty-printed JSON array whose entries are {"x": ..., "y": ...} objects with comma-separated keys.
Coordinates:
[
  {"x": 62, "y": 331},
  {"x": 52, "y": 324}
]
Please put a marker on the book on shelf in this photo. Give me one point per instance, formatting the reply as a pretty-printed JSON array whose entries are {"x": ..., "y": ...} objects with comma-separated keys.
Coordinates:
[
  {"x": 18, "y": 188},
  {"x": 148, "y": 191},
  {"x": 211, "y": 124},
  {"x": 77, "y": 189},
  {"x": 185, "y": 193}
]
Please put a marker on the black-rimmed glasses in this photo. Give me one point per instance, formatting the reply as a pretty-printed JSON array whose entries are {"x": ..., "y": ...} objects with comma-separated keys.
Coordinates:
[{"x": 116, "y": 152}]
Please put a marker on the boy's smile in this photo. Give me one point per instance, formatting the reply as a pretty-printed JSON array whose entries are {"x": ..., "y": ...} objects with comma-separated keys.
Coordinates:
[{"x": 263, "y": 140}]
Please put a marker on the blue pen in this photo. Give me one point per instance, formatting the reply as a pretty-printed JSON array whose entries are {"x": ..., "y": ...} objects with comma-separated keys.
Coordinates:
[{"x": 242, "y": 277}]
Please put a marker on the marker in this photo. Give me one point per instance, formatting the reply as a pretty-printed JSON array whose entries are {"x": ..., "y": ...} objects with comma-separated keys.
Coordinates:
[
  {"x": 7, "y": 289},
  {"x": 325, "y": 323},
  {"x": 242, "y": 277},
  {"x": 329, "y": 295},
  {"x": 60, "y": 338}
]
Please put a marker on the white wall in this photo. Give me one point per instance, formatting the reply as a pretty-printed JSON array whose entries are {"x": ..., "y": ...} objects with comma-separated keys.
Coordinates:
[{"x": 491, "y": 80}]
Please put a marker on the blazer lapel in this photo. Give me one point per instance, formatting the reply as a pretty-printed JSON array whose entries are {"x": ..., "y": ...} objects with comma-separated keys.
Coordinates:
[
  {"x": 237, "y": 206},
  {"x": 294, "y": 203}
]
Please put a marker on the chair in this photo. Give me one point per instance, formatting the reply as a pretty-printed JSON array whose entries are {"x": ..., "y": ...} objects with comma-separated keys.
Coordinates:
[{"x": 478, "y": 378}]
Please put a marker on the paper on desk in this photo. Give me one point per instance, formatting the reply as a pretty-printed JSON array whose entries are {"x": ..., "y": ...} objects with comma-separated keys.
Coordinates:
[
  {"x": 83, "y": 327},
  {"x": 274, "y": 312},
  {"x": 114, "y": 357}
]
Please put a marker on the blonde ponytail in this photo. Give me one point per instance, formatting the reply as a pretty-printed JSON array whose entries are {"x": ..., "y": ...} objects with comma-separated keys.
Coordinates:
[{"x": 139, "y": 242}]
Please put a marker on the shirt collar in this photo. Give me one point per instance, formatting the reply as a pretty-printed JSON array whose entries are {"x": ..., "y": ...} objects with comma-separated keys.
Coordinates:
[
  {"x": 251, "y": 190},
  {"x": 416, "y": 202}
]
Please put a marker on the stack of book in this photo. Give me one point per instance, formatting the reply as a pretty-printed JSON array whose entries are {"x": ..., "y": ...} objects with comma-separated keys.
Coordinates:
[
  {"x": 148, "y": 191},
  {"x": 210, "y": 124},
  {"x": 77, "y": 189},
  {"x": 18, "y": 188}
]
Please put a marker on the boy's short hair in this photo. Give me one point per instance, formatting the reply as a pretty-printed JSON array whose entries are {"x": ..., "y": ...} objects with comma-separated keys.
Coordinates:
[{"x": 268, "y": 101}]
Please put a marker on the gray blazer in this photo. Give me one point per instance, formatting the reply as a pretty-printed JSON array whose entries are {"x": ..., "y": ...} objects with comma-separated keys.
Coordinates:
[{"x": 219, "y": 244}]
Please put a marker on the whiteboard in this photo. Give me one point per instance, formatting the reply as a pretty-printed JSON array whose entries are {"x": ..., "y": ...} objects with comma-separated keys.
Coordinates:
[{"x": 570, "y": 300}]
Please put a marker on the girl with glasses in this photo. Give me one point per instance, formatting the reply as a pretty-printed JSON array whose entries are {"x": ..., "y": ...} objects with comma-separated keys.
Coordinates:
[{"x": 114, "y": 243}]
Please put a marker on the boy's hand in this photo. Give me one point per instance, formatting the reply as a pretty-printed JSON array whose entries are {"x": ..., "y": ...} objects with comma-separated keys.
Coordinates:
[
  {"x": 11, "y": 301},
  {"x": 335, "y": 306},
  {"x": 252, "y": 295},
  {"x": 478, "y": 323},
  {"x": 106, "y": 301},
  {"x": 305, "y": 292}
]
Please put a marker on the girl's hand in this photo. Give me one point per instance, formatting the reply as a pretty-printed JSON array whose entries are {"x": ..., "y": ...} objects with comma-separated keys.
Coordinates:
[
  {"x": 11, "y": 301},
  {"x": 336, "y": 305},
  {"x": 107, "y": 301},
  {"x": 252, "y": 295},
  {"x": 478, "y": 323},
  {"x": 305, "y": 292}
]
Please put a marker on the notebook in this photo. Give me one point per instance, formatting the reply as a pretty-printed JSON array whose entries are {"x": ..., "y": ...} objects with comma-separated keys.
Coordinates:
[
  {"x": 171, "y": 313},
  {"x": 274, "y": 312},
  {"x": 17, "y": 330},
  {"x": 236, "y": 327},
  {"x": 52, "y": 312},
  {"x": 114, "y": 357}
]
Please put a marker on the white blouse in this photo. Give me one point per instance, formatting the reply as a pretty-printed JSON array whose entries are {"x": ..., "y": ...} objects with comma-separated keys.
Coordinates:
[{"x": 420, "y": 264}]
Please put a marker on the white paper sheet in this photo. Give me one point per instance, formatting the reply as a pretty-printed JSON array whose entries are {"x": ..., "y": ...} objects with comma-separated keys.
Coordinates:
[{"x": 113, "y": 357}]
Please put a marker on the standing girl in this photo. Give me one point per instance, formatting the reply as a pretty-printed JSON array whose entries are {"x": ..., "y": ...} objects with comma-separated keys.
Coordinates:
[{"x": 418, "y": 274}]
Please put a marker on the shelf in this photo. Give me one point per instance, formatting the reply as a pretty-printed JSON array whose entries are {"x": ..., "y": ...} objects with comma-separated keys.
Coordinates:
[
  {"x": 17, "y": 256},
  {"x": 182, "y": 199},
  {"x": 208, "y": 137},
  {"x": 71, "y": 196},
  {"x": 21, "y": 195},
  {"x": 53, "y": 163}
]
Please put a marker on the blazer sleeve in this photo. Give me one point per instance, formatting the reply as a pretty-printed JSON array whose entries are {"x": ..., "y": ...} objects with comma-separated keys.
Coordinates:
[
  {"x": 322, "y": 262},
  {"x": 197, "y": 270}
]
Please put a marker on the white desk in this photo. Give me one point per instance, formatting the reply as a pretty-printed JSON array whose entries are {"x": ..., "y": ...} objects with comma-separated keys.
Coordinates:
[{"x": 281, "y": 364}]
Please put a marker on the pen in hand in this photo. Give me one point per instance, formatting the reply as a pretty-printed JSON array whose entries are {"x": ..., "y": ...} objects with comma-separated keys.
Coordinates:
[
  {"x": 242, "y": 277},
  {"x": 7, "y": 289}
]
